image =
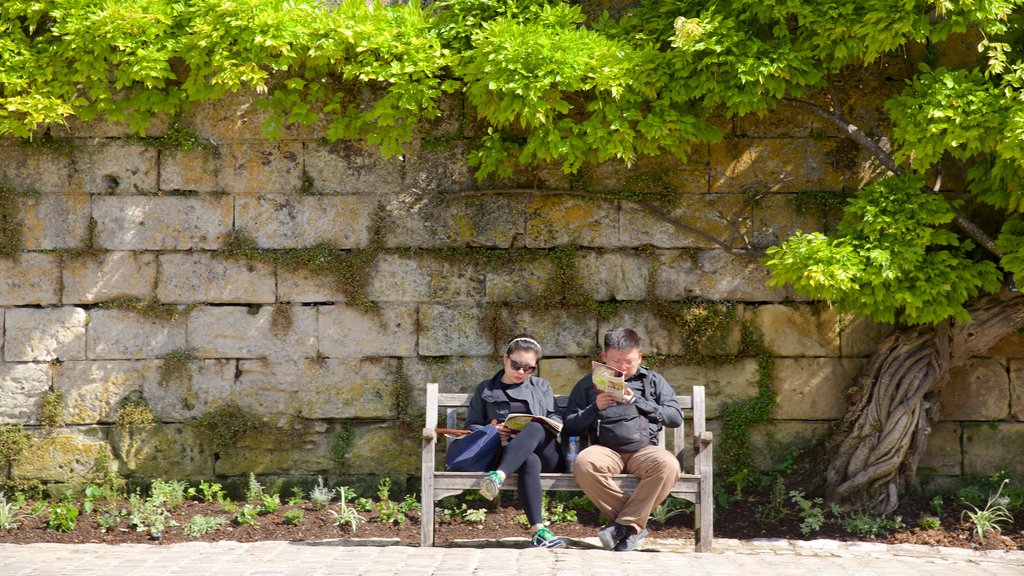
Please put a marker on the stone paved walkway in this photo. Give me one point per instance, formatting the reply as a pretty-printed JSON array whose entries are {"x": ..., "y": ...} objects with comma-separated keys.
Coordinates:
[{"x": 343, "y": 558}]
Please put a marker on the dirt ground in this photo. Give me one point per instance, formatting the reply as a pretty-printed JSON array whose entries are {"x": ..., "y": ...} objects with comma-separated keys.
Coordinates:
[{"x": 738, "y": 520}]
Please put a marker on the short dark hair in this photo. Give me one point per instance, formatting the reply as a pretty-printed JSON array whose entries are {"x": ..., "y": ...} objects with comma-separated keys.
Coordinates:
[
  {"x": 621, "y": 339},
  {"x": 523, "y": 342}
]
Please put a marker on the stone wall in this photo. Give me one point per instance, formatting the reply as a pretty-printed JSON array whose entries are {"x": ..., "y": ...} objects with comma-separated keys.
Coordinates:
[{"x": 108, "y": 218}]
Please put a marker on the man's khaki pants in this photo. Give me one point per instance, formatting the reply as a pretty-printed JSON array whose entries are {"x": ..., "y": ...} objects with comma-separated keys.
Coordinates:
[{"x": 656, "y": 468}]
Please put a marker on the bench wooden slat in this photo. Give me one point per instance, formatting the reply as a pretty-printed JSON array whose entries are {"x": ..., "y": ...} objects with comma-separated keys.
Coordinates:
[{"x": 694, "y": 487}]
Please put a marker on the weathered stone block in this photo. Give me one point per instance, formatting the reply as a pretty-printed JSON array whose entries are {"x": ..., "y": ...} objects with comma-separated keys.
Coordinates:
[
  {"x": 418, "y": 219},
  {"x": 188, "y": 394},
  {"x": 458, "y": 374},
  {"x": 293, "y": 450},
  {"x": 303, "y": 286},
  {"x": 560, "y": 332},
  {"x": 453, "y": 331},
  {"x": 332, "y": 388},
  {"x": 979, "y": 390},
  {"x": 54, "y": 221},
  {"x": 562, "y": 373},
  {"x": 813, "y": 388},
  {"x": 123, "y": 335},
  {"x": 349, "y": 167},
  {"x": 189, "y": 277},
  {"x": 397, "y": 278},
  {"x": 445, "y": 170},
  {"x": 237, "y": 117},
  {"x": 64, "y": 455},
  {"x": 103, "y": 127},
  {"x": 614, "y": 275},
  {"x": 991, "y": 448},
  {"x": 47, "y": 171},
  {"x": 1017, "y": 389},
  {"x": 773, "y": 443},
  {"x": 110, "y": 168},
  {"x": 22, "y": 387},
  {"x": 293, "y": 221},
  {"x": 104, "y": 276},
  {"x": 30, "y": 279},
  {"x": 260, "y": 167},
  {"x": 189, "y": 171},
  {"x": 723, "y": 383},
  {"x": 242, "y": 332},
  {"x": 700, "y": 220},
  {"x": 784, "y": 122},
  {"x": 859, "y": 336},
  {"x": 556, "y": 220},
  {"x": 93, "y": 391},
  {"x": 165, "y": 451},
  {"x": 713, "y": 275},
  {"x": 799, "y": 330},
  {"x": 776, "y": 217},
  {"x": 662, "y": 336},
  {"x": 649, "y": 173},
  {"x": 518, "y": 283},
  {"x": 381, "y": 450},
  {"x": 162, "y": 222},
  {"x": 1010, "y": 347},
  {"x": 346, "y": 332},
  {"x": 33, "y": 335},
  {"x": 942, "y": 455},
  {"x": 774, "y": 165}
]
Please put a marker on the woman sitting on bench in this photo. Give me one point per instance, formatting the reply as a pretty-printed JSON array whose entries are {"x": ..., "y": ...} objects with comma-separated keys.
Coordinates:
[{"x": 532, "y": 450}]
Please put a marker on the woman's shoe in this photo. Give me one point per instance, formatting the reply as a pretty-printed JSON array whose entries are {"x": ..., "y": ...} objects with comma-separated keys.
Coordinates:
[
  {"x": 491, "y": 485},
  {"x": 544, "y": 538}
]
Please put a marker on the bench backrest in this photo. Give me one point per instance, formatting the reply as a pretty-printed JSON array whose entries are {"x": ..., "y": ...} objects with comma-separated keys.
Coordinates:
[{"x": 456, "y": 404}]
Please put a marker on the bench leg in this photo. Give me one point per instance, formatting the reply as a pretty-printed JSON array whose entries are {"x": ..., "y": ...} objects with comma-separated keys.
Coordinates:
[{"x": 427, "y": 522}]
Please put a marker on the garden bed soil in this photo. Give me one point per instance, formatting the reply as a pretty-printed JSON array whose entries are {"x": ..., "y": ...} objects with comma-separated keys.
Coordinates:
[{"x": 738, "y": 520}]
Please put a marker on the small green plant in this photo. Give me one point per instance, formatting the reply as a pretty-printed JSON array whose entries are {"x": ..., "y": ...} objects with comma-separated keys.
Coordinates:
[
  {"x": 320, "y": 496},
  {"x": 346, "y": 516},
  {"x": 149, "y": 514},
  {"x": 170, "y": 493},
  {"x": 929, "y": 522},
  {"x": 254, "y": 491},
  {"x": 247, "y": 515},
  {"x": 63, "y": 517},
  {"x": 297, "y": 498},
  {"x": 870, "y": 526},
  {"x": 476, "y": 515},
  {"x": 669, "y": 508},
  {"x": 775, "y": 508},
  {"x": 207, "y": 492},
  {"x": 937, "y": 506},
  {"x": 812, "y": 515},
  {"x": 199, "y": 525},
  {"x": 9, "y": 513},
  {"x": 110, "y": 517},
  {"x": 293, "y": 516},
  {"x": 364, "y": 504},
  {"x": 227, "y": 505},
  {"x": 989, "y": 518},
  {"x": 225, "y": 424},
  {"x": 270, "y": 504},
  {"x": 51, "y": 411},
  {"x": 91, "y": 494}
]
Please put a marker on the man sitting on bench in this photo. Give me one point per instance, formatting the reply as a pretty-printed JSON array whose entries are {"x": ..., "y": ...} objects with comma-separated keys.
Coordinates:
[{"x": 623, "y": 437}]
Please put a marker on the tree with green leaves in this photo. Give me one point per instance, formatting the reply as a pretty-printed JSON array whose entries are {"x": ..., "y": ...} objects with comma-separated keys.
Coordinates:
[{"x": 565, "y": 86}]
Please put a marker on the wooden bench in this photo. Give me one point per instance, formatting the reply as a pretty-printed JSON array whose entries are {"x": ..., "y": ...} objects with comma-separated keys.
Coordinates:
[{"x": 696, "y": 488}]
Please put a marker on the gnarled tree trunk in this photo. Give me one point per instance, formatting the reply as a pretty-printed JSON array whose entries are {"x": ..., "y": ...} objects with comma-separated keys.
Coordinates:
[{"x": 875, "y": 453}]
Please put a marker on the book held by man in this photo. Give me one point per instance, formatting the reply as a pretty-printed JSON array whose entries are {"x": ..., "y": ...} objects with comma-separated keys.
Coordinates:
[
  {"x": 608, "y": 379},
  {"x": 519, "y": 421}
]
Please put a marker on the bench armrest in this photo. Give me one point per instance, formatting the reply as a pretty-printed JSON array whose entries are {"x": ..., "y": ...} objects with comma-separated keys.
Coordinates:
[
  {"x": 429, "y": 435},
  {"x": 703, "y": 440}
]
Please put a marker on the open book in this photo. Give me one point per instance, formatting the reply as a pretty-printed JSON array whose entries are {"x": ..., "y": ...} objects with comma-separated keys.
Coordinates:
[
  {"x": 519, "y": 421},
  {"x": 608, "y": 379}
]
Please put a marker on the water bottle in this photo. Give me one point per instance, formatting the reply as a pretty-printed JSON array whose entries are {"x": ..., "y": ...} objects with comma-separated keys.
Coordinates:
[{"x": 570, "y": 458}]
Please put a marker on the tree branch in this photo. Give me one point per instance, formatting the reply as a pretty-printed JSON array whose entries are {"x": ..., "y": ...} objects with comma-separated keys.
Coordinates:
[{"x": 851, "y": 131}]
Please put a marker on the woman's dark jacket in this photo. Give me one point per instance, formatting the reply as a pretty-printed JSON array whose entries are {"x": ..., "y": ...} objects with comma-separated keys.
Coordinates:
[{"x": 489, "y": 402}]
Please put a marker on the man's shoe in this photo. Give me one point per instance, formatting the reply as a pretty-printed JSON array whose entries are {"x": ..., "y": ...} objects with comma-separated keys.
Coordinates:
[
  {"x": 491, "y": 485},
  {"x": 544, "y": 538},
  {"x": 611, "y": 535},
  {"x": 629, "y": 542}
]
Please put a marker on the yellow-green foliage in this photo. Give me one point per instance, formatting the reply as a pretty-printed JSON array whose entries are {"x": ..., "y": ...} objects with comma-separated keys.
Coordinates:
[
  {"x": 10, "y": 221},
  {"x": 148, "y": 308},
  {"x": 225, "y": 424},
  {"x": 51, "y": 411},
  {"x": 177, "y": 366},
  {"x": 135, "y": 415},
  {"x": 14, "y": 439}
]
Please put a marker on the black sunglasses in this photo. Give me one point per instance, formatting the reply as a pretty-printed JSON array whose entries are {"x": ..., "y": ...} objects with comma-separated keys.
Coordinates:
[{"x": 524, "y": 368}]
